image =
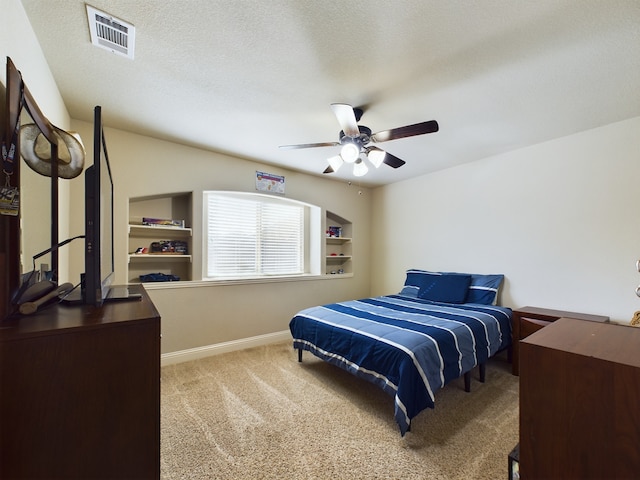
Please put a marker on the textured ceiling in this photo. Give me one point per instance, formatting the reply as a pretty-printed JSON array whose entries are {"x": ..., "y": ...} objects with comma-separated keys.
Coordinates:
[{"x": 245, "y": 76}]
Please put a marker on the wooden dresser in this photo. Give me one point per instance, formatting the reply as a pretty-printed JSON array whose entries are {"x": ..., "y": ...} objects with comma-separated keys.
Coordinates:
[
  {"x": 527, "y": 320},
  {"x": 80, "y": 392},
  {"x": 580, "y": 401}
]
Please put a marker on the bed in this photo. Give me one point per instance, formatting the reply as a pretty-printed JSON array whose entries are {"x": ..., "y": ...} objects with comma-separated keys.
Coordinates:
[{"x": 439, "y": 327}]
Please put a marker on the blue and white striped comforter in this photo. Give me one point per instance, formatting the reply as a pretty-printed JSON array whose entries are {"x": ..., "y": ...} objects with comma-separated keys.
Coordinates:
[{"x": 408, "y": 346}]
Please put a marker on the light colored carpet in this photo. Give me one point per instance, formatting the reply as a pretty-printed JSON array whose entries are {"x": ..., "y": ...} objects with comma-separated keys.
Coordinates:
[{"x": 259, "y": 414}]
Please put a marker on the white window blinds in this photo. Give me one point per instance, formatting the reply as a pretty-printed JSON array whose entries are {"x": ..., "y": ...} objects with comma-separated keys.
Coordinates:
[{"x": 253, "y": 235}]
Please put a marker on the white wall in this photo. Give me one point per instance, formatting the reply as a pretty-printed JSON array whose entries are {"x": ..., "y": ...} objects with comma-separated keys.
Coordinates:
[
  {"x": 559, "y": 219},
  {"x": 201, "y": 314}
]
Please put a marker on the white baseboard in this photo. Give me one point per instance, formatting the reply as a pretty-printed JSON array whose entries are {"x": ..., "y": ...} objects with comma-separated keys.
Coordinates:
[{"x": 218, "y": 348}]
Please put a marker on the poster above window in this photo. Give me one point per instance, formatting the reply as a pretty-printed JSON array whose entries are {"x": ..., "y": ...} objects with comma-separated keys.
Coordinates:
[{"x": 267, "y": 182}]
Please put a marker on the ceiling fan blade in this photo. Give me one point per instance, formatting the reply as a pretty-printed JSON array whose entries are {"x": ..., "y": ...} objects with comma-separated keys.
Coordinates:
[
  {"x": 346, "y": 118},
  {"x": 328, "y": 170},
  {"x": 309, "y": 145},
  {"x": 393, "y": 161},
  {"x": 408, "y": 131}
]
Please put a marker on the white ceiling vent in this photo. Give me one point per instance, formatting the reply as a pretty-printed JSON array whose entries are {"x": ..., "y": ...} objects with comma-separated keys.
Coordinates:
[{"x": 111, "y": 33}]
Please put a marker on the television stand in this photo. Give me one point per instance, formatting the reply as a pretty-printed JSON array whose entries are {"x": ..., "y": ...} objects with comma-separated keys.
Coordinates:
[
  {"x": 122, "y": 294},
  {"x": 116, "y": 294}
]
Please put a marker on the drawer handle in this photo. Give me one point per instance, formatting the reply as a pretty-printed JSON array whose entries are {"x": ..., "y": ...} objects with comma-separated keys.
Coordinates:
[{"x": 638, "y": 290}]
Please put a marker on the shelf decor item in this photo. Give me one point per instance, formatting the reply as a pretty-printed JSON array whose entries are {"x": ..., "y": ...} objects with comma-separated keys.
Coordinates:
[
  {"x": 172, "y": 247},
  {"x": 162, "y": 222},
  {"x": 334, "y": 231},
  {"x": 159, "y": 277}
]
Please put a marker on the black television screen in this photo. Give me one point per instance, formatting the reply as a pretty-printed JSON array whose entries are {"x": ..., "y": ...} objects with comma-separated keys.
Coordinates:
[{"x": 99, "y": 262}]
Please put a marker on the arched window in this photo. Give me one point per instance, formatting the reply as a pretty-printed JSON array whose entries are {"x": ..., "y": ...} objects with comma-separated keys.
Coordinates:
[{"x": 250, "y": 235}]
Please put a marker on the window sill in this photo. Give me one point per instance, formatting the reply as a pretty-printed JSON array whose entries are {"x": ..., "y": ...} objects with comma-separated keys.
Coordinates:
[{"x": 242, "y": 281}]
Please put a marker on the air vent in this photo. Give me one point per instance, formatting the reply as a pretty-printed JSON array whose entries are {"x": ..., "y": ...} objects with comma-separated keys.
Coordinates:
[{"x": 111, "y": 33}]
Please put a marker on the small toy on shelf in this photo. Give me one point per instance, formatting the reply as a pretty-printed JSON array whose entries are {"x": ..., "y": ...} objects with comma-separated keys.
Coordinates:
[{"x": 334, "y": 231}]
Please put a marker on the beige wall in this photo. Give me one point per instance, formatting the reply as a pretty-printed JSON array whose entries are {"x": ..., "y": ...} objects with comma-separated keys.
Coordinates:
[
  {"x": 200, "y": 313},
  {"x": 558, "y": 219},
  {"x": 18, "y": 41}
]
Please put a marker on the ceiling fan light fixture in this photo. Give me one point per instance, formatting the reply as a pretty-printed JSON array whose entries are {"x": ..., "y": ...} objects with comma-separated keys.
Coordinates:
[
  {"x": 354, "y": 140},
  {"x": 376, "y": 156},
  {"x": 349, "y": 152},
  {"x": 336, "y": 162},
  {"x": 360, "y": 169}
]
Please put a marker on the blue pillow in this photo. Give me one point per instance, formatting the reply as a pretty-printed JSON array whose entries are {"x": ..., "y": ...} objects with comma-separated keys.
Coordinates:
[
  {"x": 484, "y": 289},
  {"x": 413, "y": 282},
  {"x": 446, "y": 288}
]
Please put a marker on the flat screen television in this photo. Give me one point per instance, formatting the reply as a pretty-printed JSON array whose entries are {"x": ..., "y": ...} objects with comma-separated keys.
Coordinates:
[
  {"x": 99, "y": 247},
  {"x": 99, "y": 262}
]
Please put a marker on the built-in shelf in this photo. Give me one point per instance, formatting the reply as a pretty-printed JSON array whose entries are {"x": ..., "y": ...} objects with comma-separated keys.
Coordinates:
[
  {"x": 175, "y": 206},
  {"x": 142, "y": 257},
  {"x": 338, "y": 258},
  {"x": 338, "y": 240},
  {"x": 151, "y": 231},
  {"x": 338, "y": 249}
]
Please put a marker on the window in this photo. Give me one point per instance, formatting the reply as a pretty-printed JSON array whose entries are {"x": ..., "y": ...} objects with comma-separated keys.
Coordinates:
[{"x": 249, "y": 235}]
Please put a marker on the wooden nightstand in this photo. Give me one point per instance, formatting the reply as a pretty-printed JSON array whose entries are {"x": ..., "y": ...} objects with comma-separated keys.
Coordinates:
[{"x": 527, "y": 320}]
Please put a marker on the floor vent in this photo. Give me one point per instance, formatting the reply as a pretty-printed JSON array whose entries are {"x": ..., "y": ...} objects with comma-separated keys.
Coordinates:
[{"x": 111, "y": 33}]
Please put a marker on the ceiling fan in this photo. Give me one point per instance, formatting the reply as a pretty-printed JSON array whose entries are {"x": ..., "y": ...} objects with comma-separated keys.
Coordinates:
[{"x": 354, "y": 140}]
